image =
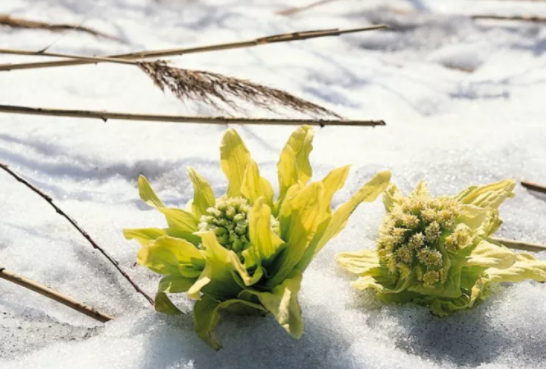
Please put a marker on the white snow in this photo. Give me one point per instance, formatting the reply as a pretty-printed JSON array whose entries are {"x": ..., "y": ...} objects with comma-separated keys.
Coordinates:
[{"x": 447, "y": 126}]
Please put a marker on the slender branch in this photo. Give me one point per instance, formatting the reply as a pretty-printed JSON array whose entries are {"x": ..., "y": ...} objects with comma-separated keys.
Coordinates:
[
  {"x": 519, "y": 245},
  {"x": 298, "y": 9},
  {"x": 534, "y": 186},
  {"x": 54, "y": 295},
  {"x": 511, "y": 18},
  {"x": 105, "y": 115},
  {"x": 285, "y": 37},
  {"x": 7, "y": 20},
  {"x": 78, "y": 228},
  {"x": 91, "y": 59}
]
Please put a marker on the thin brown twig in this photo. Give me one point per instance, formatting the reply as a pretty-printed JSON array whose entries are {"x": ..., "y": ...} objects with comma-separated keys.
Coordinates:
[
  {"x": 534, "y": 186},
  {"x": 511, "y": 18},
  {"x": 298, "y": 9},
  {"x": 54, "y": 295},
  {"x": 519, "y": 245},
  {"x": 105, "y": 115},
  {"x": 285, "y": 37},
  {"x": 59, "y": 211},
  {"x": 9, "y": 21}
]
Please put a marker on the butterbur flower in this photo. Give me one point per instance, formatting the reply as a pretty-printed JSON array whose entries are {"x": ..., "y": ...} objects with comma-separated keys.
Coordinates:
[
  {"x": 438, "y": 252},
  {"x": 245, "y": 252}
]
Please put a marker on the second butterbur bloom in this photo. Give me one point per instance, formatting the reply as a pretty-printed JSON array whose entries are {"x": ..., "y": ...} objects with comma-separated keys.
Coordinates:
[
  {"x": 246, "y": 252},
  {"x": 438, "y": 251}
]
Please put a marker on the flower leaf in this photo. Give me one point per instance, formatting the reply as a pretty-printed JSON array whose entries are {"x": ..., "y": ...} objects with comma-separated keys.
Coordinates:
[
  {"x": 488, "y": 255},
  {"x": 163, "y": 304},
  {"x": 254, "y": 186},
  {"x": 488, "y": 196},
  {"x": 234, "y": 160},
  {"x": 203, "y": 196},
  {"x": 525, "y": 267}
]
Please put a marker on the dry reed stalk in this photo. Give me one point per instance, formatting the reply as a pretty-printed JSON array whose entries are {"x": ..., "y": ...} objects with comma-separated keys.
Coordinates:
[
  {"x": 511, "y": 18},
  {"x": 534, "y": 186},
  {"x": 285, "y": 37},
  {"x": 105, "y": 115},
  {"x": 9, "y": 21},
  {"x": 298, "y": 9},
  {"x": 209, "y": 88},
  {"x": 54, "y": 295},
  {"x": 212, "y": 88},
  {"x": 59, "y": 211},
  {"x": 519, "y": 245}
]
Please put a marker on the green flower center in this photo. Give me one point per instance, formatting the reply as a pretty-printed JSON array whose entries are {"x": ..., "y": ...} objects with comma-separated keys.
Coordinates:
[
  {"x": 228, "y": 219},
  {"x": 416, "y": 234}
]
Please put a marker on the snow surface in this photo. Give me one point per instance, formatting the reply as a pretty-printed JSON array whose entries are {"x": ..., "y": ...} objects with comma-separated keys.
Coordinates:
[{"x": 445, "y": 125}]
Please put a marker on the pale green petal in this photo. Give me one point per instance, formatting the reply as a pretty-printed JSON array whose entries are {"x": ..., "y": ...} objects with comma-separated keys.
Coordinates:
[
  {"x": 488, "y": 255},
  {"x": 525, "y": 267},
  {"x": 234, "y": 160},
  {"x": 298, "y": 224},
  {"x": 175, "y": 284},
  {"x": 147, "y": 193},
  {"x": 391, "y": 197},
  {"x": 282, "y": 302},
  {"x": 164, "y": 305},
  {"x": 217, "y": 279},
  {"x": 358, "y": 262},
  {"x": 367, "y": 193},
  {"x": 363, "y": 283},
  {"x": 420, "y": 190},
  {"x": 265, "y": 243},
  {"x": 172, "y": 256},
  {"x": 203, "y": 195},
  {"x": 488, "y": 196},
  {"x": 144, "y": 236},
  {"x": 206, "y": 315},
  {"x": 254, "y": 186},
  {"x": 294, "y": 165},
  {"x": 472, "y": 216}
]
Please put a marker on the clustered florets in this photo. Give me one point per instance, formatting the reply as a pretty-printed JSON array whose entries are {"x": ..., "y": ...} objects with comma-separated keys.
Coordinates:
[
  {"x": 228, "y": 219},
  {"x": 416, "y": 232}
]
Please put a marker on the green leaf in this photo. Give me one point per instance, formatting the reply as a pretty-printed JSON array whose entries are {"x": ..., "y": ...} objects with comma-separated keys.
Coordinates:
[
  {"x": 298, "y": 223},
  {"x": 164, "y": 305},
  {"x": 206, "y": 315},
  {"x": 358, "y": 262},
  {"x": 333, "y": 182},
  {"x": 175, "y": 284},
  {"x": 525, "y": 267},
  {"x": 144, "y": 236},
  {"x": 203, "y": 195},
  {"x": 488, "y": 196},
  {"x": 234, "y": 160},
  {"x": 147, "y": 193},
  {"x": 282, "y": 302},
  {"x": 488, "y": 255},
  {"x": 217, "y": 278},
  {"x": 254, "y": 186},
  {"x": 294, "y": 165},
  {"x": 246, "y": 278},
  {"x": 265, "y": 243},
  {"x": 172, "y": 256},
  {"x": 367, "y": 193}
]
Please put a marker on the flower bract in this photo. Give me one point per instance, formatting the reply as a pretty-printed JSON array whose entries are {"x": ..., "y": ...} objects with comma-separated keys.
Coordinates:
[{"x": 245, "y": 252}]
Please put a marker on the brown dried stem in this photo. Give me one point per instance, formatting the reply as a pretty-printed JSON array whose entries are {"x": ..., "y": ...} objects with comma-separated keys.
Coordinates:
[
  {"x": 298, "y": 9},
  {"x": 511, "y": 18},
  {"x": 59, "y": 211},
  {"x": 519, "y": 245},
  {"x": 534, "y": 186},
  {"x": 7, "y": 20},
  {"x": 285, "y": 37},
  {"x": 105, "y": 115},
  {"x": 54, "y": 295}
]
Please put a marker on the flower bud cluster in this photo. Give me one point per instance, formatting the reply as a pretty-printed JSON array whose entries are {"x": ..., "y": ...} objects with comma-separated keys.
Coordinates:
[{"x": 416, "y": 232}]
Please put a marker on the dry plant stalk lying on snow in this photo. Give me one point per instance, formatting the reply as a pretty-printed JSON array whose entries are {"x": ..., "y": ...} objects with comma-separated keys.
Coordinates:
[{"x": 9, "y": 21}]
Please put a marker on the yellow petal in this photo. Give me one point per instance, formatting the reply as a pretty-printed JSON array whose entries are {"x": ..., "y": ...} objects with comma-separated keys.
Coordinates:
[
  {"x": 294, "y": 165},
  {"x": 203, "y": 196},
  {"x": 488, "y": 196},
  {"x": 234, "y": 160},
  {"x": 254, "y": 186}
]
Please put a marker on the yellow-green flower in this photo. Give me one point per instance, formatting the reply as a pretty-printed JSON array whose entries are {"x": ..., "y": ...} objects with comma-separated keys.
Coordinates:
[
  {"x": 438, "y": 252},
  {"x": 245, "y": 252}
]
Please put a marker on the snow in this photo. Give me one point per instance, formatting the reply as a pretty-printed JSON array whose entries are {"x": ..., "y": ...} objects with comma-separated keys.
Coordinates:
[{"x": 446, "y": 125}]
